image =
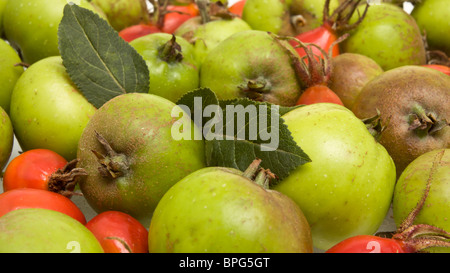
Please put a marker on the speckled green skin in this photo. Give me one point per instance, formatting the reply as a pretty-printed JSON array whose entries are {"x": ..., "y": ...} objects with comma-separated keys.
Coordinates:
[
  {"x": 347, "y": 188},
  {"x": 205, "y": 37},
  {"x": 36, "y": 230},
  {"x": 218, "y": 210},
  {"x": 123, "y": 13},
  {"x": 137, "y": 126},
  {"x": 411, "y": 186},
  {"x": 9, "y": 73},
  {"x": 168, "y": 79},
  {"x": 312, "y": 12},
  {"x": 6, "y": 138},
  {"x": 388, "y": 35},
  {"x": 265, "y": 15},
  {"x": 47, "y": 110},
  {"x": 432, "y": 18},
  {"x": 32, "y": 26},
  {"x": 252, "y": 55}
]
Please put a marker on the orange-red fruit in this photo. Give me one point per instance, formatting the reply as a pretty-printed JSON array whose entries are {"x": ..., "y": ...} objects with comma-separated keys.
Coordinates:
[
  {"x": 119, "y": 232},
  {"x": 317, "y": 94}
]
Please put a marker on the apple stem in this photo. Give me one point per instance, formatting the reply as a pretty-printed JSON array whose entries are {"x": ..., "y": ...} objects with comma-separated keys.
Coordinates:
[
  {"x": 159, "y": 11},
  {"x": 113, "y": 164},
  {"x": 23, "y": 64},
  {"x": 252, "y": 169},
  {"x": 375, "y": 126},
  {"x": 254, "y": 89},
  {"x": 259, "y": 175},
  {"x": 171, "y": 51},
  {"x": 424, "y": 123},
  {"x": 203, "y": 9},
  {"x": 262, "y": 179},
  {"x": 298, "y": 20},
  {"x": 64, "y": 180},
  {"x": 340, "y": 17},
  {"x": 436, "y": 56}
]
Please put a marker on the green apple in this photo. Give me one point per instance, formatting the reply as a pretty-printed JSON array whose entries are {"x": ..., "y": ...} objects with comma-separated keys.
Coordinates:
[
  {"x": 206, "y": 36},
  {"x": 32, "y": 26},
  {"x": 2, "y": 8},
  {"x": 47, "y": 110},
  {"x": 36, "y": 230},
  {"x": 6, "y": 138},
  {"x": 9, "y": 73},
  {"x": 347, "y": 188},
  {"x": 172, "y": 64},
  {"x": 131, "y": 155},
  {"x": 431, "y": 167},
  {"x": 123, "y": 13},
  {"x": 252, "y": 64},
  {"x": 219, "y": 209},
  {"x": 388, "y": 35},
  {"x": 308, "y": 14},
  {"x": 221, "y": 1},
  {"x": 266, "y": 15},
  {"x": 432, "y": 18}
]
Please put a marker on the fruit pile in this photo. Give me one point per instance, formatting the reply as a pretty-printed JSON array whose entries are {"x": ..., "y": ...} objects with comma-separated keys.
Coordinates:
[{"x": 244, "y": 126}]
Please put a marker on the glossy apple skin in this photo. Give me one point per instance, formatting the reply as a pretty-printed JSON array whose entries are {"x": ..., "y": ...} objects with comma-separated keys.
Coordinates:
[
  {"x": 205, "y": 37},
  {"x": 123, "y": 13},
  {"x": 346, "y": 189},
  {"x": 138, "y": 126},
  {"x": 10, "y": 72},
  {"x": 47, "y": 109},
  {"x": 311, "y": 12},
  {"x": 432, "y": 17},
  {"x": 265, "y": 15},
  {"x": 32, "y": 26},
  {"x": 247, "y": 56},
  {"x": 6, "y": 138},
  {"x": 388, "y": 35},
  {"x": 218, "y": 210},
  {"x": 36, "y": 230},
  {"x": 170, "y": 79}
]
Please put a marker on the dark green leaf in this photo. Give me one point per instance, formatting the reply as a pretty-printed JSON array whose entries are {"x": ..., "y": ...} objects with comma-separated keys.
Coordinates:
[
  {"x": 273, "y": 143},
  {"x": 261, "y": 134},
  {"x": 97, "y": 59},
  {"x": 197, "y": 100}
]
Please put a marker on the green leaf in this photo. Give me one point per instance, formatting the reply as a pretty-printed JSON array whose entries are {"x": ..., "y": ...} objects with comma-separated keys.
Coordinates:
[
  {"x": 261, "y": 133},
  {"x": 284, "y": 154},
  {"x": 196, "y": 101},
  {"x": 97, "y": 59}
]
